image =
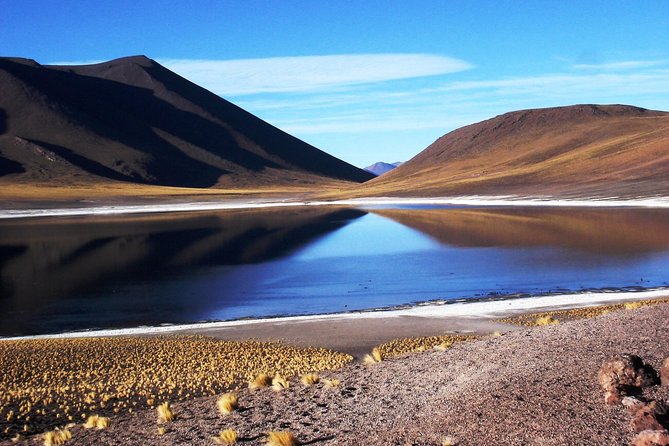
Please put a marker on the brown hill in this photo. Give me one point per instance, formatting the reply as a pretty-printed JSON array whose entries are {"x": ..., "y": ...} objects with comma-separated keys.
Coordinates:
[
  {"x": 131, "y": 120},
  {"x": 580, "y": 150}
]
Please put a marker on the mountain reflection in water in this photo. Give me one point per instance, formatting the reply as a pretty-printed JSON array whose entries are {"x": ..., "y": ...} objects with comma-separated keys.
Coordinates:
[
  {"x": 47, "y": 261},
  {"x": 609, "y": 231},
  {"x": 63, "y": 274}
]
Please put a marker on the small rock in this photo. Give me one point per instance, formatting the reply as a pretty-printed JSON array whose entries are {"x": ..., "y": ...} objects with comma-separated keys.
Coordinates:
[
  {"x": 664, "y": 372},
  {"x": 651, "y": 438},
  {"x": 625, "y": 375},
  {"x": 649, "y": 416},
  {"x": 631, "y": 401}
]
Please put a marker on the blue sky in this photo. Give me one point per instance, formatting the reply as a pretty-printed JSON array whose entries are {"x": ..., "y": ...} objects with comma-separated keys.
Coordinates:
[{"x": 369, "y": 80}]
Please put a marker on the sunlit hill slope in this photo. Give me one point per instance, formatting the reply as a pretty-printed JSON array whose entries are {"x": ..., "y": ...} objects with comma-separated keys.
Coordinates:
[{"x": 579, "y": 150}]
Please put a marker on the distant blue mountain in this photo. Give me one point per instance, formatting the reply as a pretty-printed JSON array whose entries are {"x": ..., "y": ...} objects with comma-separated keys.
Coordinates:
[{"x": 380, "y": 168}]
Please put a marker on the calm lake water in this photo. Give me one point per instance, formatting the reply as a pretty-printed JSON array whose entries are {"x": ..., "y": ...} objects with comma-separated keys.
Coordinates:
[{"x": 69, "y": 274}]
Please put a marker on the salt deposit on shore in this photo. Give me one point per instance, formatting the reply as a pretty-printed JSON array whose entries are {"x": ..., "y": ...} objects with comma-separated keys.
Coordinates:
[
  {"x": 474, "y": 200},
  {"x": 472, "y": 311}
]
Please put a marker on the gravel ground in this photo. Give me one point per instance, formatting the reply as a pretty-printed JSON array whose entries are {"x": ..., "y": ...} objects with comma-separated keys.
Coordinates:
[{"x": 529, "y": 387}]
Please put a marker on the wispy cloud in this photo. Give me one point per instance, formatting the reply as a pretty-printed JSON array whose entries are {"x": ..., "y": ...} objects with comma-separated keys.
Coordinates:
[
  {"x": 310, "y": 73},
  {"x": 619, "y": 66},
  {"x": 444, "y": 106}
]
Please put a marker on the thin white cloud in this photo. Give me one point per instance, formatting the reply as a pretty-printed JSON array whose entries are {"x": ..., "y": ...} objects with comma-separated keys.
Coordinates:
[
  {"x": 309, "y": 73},
  {"x": 619, "y": 66}
]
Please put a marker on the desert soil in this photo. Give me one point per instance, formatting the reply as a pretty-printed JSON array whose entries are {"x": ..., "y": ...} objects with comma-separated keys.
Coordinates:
[{"x": 528, "y": 387}]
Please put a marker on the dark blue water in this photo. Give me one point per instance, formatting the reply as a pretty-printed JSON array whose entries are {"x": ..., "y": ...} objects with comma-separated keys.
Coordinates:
[{"x": 81, "y": 273}]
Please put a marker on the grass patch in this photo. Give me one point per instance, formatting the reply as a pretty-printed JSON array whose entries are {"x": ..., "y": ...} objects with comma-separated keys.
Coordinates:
[
  {"x": 279, "y": 383},
  {"x": 402, "y": 346},
  {"x": 540, "y": 319},
  {"x": 284, "y": 438},
  {"x": 165, "y": 413},
  {"x": 227, "y": 403},
  {"x": 309, "y": 379},
  {"x": 227, "y": 436},
  {"x": 50, "y": 382},
  {"x": 57, "y": 436},
  {"x": 96, "y": 422}
]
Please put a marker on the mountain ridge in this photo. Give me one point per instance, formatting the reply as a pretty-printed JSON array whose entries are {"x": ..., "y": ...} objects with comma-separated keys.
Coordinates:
[
  {"x": 578, "y": 150},
  {"x": 381, "y": 167},
  {"x": 132, "y": 120}
]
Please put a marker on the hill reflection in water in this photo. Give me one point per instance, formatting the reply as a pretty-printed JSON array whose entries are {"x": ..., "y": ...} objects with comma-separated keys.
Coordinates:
[{"x": 67, "y": 274}]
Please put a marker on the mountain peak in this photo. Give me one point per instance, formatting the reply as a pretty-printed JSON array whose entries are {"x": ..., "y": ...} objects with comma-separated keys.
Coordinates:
[{"x": 130, "y": 119}]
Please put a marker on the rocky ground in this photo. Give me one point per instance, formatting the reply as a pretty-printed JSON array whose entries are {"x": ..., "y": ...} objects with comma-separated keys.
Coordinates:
[{"x": 536, "y": 386}]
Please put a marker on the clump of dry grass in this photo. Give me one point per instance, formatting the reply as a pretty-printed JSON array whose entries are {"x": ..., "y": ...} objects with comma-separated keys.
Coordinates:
[
  {"x": 546, "y": 320},
  {"x": 56, "y": 437},
  {"x": 261, "y": 380},
  {"x": 375, "y": 357},
  {"x": 279, "y": 383},
  {"x": 161, "y": 430},
  {"x": 227, "y": 436},
  {"x": 227, "y": 403},
  {"x": 107, "y": 376},
  {"x": 331, "y": 383},
  {"x": 532, "y": 319},
  {"x": 448, "y": 441},
  {"x": 284, "y": 438},
  {"x": 97, "y": 422},
  {"x": 165, "y": 413},
  {"x": 402, "y": 346},
  {"x": 309, "y": 379}
]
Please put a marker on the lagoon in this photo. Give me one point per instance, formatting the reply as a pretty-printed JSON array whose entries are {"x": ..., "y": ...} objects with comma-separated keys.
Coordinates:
[{"x": 80, "y": 273}]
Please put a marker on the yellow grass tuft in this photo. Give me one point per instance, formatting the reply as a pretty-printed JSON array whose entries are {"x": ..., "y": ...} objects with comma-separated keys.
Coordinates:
[
  {"x": 259, "y": 381},
  {"x": 374, "y": 357},
  {"x": 284, "y": 438},
  {"x": 309, "y": 379},
  {"x": 331, "y": 383},
  {"x": 16, "y": 438},
  {"x": 228, "y": 436},
  {"x": 97, "y": 422},
  {"x": 546, "y": 320},
  {"x": 57, "y": 437},
  {"x": 161, "y": 431},
  {"x": 448, "y": 441},
  {"x": 279, "y": 383},
  {"x": 633, "y": 305},
  {"x": 227, "y": 403},
  {"x": 165, "y": 413}
]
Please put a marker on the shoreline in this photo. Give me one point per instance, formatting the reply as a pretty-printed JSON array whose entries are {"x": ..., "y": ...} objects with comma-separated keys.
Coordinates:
[
  {"x": 357, "y": 332},
  {"x": 238, "y": 204}
]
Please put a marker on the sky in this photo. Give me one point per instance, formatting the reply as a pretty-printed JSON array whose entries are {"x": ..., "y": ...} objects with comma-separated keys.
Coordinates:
[{"x": 369, "y": 80}]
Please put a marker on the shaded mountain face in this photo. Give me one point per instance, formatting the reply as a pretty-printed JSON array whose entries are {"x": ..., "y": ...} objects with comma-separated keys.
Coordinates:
[
  {"x": 380, "y": 167},
  {"x": 133, "y": 120},
  {"x": 580, "y": 150}
]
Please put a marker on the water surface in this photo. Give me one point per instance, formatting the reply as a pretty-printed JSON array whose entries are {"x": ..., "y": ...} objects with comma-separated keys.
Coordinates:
[{"x": 64, "y": 274}]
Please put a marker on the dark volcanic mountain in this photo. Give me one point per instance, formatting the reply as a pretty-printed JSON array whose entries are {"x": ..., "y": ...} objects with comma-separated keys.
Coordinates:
[
  {"x": 133, "y": 120},
  {"x": 580, "y": 150}
]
